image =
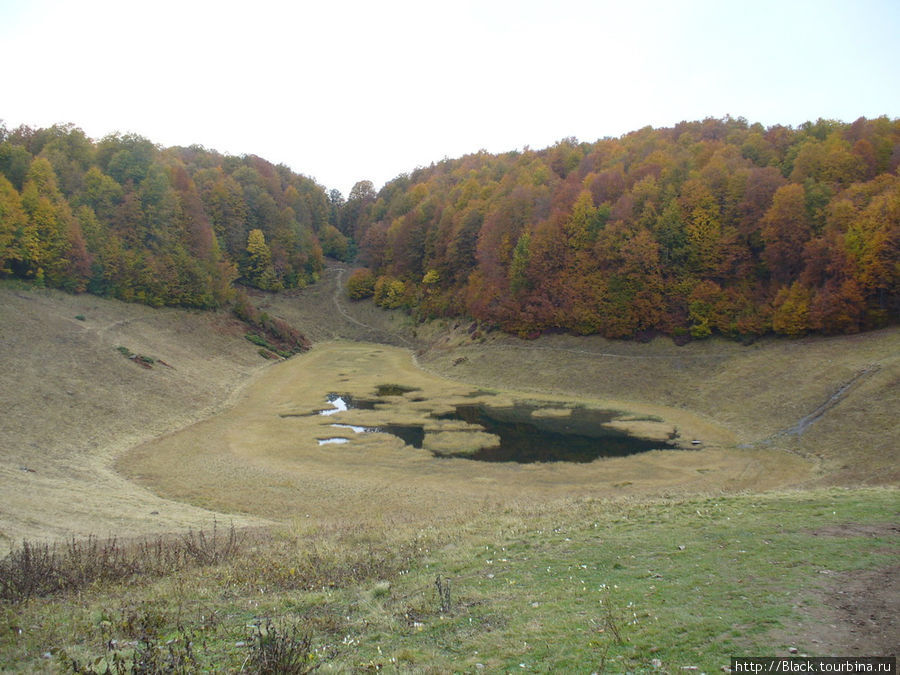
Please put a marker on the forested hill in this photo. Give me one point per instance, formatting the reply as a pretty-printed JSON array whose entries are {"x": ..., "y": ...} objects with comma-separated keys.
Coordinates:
[
  {"x": 711, "y": 226},
  {"x": 125, "y": 218}
]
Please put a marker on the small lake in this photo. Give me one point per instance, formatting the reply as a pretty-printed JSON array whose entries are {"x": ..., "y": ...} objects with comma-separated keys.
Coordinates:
[
  {"x": 527, "y": 432},
  {"x": 526, "y": 436}
]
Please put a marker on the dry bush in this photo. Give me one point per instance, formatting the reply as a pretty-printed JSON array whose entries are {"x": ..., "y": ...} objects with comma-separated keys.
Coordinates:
[
  {"x": 42, "y": 569},
  {"x": 285, "y": 650}
]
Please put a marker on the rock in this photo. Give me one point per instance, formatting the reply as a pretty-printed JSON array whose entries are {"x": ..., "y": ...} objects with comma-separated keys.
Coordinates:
[
  {"x": 793, "y": 650},
  {"x": 656, "y": 663}
]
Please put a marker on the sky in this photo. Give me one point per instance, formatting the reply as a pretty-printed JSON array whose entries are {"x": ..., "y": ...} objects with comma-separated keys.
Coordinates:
[{"x": 347, "y": 90}]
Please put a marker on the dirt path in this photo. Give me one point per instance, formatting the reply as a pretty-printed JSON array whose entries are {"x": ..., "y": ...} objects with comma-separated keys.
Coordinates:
[
  {"x": 850, "y": 613},
  {"x": 832, "y": 401}
]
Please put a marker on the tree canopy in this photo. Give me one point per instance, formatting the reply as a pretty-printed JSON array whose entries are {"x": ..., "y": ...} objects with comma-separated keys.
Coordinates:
[
  {"x": 125, "y": 218},
  {"x": 714, "y": 226}
]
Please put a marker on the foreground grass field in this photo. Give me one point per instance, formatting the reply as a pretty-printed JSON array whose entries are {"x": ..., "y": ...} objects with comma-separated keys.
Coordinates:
[
  {"x": 578, "y": 586},
  {"x": 780, "y": 532}
]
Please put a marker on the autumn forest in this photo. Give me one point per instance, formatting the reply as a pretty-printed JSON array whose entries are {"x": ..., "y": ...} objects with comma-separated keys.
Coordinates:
[{"x": 710, "y": 227}]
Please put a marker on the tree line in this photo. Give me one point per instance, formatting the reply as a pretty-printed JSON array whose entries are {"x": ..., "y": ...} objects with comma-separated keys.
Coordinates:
[
  {"x": 713, "y": 226},
  {"x": 125, "y": 218}
]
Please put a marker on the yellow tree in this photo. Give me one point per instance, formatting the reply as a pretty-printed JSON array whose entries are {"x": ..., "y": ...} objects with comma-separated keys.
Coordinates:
[
  {"x": 48, "y": 222},
  {"x": 258, "y": 269},
  {"x": 12, "y": 224}
]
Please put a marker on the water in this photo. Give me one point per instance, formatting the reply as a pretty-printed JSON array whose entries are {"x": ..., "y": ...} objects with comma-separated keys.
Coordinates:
[
  {"x": 578, "y": 436},
  {"x": 413, "y": 435}
]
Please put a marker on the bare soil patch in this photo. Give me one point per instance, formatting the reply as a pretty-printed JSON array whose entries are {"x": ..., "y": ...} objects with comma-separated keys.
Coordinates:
[{"x": 850, "y": 613}]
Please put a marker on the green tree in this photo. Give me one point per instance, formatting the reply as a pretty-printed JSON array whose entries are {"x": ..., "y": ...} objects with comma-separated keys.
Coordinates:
[
  {"x": 258, "y": 267},
  {"x": 12, "y": 226},
  {"x": 335, "y": 244}
]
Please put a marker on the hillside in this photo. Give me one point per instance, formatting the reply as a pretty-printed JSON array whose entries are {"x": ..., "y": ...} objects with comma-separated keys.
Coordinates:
[
  {"x": 843, "y": 389},
  {"x": 124, "y": 218},
  {"x": 72, "y": 403},
  {"x": 712, "y": 227},
  {"x": 744, "y": 546}
]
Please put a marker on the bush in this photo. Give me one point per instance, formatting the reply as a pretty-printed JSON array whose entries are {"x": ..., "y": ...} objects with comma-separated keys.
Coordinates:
[
  {"x": 271, "y": 333},
  {"x": 389, "y": 292},
  {"x": 361, "y": 284},
  {"x": 280, "y": 650}
]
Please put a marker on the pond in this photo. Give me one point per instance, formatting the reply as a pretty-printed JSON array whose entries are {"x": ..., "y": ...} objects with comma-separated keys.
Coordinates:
[
  {"x": 536, "y": 432},
  {"x": 523, "y": 433}
]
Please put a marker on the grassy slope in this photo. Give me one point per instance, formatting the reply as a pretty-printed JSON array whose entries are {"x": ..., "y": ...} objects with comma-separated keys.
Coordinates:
[
  {"x": 72, "y": 403},
  {"x": 758, "y": 572}
]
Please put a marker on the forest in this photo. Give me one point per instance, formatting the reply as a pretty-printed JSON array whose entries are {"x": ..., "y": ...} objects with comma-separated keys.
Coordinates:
[
  {"x": 709, "y": 227},
  {"x": 714, "y": 226},
  {"x": 127, "y": 219}
]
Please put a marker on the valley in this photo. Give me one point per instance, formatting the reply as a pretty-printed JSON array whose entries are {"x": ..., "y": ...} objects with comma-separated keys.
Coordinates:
[{"x": 792, "y": 437}]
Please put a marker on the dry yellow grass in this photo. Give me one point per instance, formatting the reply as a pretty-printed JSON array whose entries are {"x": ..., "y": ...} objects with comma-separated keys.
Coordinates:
[
  {"x": 71, "y": 403},
  {"x": 253, "y": 459}
]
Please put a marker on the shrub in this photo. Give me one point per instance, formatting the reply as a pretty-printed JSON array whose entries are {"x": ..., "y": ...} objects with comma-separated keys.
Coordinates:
[
  {"x": 280, "y": 650},
  {"x": 42, "y": 569},
  {"x": 361, "y": 284},
  {"x": 271, "y": 333},
  {"x": 389, "y": 292}
]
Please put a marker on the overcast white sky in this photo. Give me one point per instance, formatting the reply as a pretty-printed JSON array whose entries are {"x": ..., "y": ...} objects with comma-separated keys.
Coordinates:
[{"x": 344, "y": 90}]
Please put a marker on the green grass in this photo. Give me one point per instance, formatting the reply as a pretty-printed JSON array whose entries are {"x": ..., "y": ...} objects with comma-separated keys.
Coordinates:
[{"x": 571, "y": 587}]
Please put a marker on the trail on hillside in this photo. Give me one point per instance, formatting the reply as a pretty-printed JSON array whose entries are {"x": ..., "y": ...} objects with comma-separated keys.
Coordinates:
[
  {"x": 378, "y": 335},
  {"x": 832, "y": 400},
  {"x": 806, "y": 421}
]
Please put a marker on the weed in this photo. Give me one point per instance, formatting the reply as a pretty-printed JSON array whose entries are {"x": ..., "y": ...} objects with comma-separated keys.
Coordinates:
[
  {"x": 213, "y": 548},
  {"x": 144, "y": 656},
  {"x": 280, "y": 650},
  {"x": 36, "y": 570},
  {"x": 443, "y": 590}
]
